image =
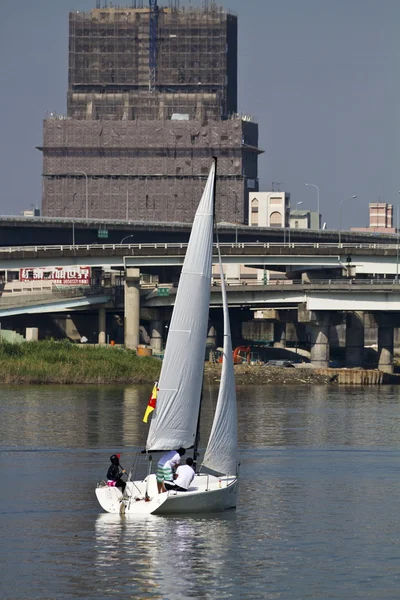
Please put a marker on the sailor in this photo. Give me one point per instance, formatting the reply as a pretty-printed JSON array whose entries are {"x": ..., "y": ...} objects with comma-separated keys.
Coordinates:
[
  {"x": 114, "y": 474},
  {"x": 183, "y": 477},
  {"x": 166, "y": 467}
]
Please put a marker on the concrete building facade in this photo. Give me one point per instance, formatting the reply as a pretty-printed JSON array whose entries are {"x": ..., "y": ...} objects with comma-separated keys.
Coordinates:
[
  {"x": 152, "y": 97},
  {"x": 380, "y": 218},
  {"x": 269, "y": 209}
]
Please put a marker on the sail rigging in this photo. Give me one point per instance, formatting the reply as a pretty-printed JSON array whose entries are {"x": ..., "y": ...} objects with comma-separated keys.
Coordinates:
[
  {"x": 221, "y": 455},
  {"x": 181, "y": 377},
  {"x": 175, "y": 402}
]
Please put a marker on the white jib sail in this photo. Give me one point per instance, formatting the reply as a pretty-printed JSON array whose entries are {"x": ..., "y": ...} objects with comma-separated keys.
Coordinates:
[
  {"x": 221, "y": 454},
  {"x": 174, "y": 420}
]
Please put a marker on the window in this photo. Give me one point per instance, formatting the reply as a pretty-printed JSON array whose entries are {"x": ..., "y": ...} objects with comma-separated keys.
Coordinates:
[
  {"x": 254, "y": 212},
  {"x": 275, "y": 219}
]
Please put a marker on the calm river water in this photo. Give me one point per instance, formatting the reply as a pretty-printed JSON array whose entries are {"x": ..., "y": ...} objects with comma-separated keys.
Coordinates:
[{"x": 318, "y": 513}]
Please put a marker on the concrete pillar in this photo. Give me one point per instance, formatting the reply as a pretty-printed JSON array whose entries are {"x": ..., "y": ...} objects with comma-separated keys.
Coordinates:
[
  {"x": 102, "y": 325},
  {"x": 354, "y": 339},
  {"x": 127, "y": 111},
  {"x": 132, "y": 307},
  {"x": 280, "y": 334},
  {"x": 319, "y": 332},
  {"x": 211, "y": 341},
  {"x": 385, "y": 347},
  {"x": 89, "y": 109},
  {"x": 32, "y": 334},
  {"x": 156, "y": 333}
]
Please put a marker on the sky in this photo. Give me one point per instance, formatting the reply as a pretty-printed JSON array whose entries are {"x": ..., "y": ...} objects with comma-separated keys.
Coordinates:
[{"x": 321, "y": 77}]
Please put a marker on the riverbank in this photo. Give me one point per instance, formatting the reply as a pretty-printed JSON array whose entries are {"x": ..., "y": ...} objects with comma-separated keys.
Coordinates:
[
  {"x": 51, "y": 362},
  {"x": 263, "y": 375}
]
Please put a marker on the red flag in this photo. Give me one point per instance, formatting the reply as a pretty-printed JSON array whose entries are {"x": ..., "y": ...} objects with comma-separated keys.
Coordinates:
[{"x": 152, "y": 403}]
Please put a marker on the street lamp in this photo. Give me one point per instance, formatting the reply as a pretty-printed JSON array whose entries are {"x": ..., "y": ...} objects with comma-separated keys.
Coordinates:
[
  {"x": 73, "y": 219},
  {"x": 317, "y": 188},
  {"x": 340, "y": 215},
  {"x": 397, "y": 250},
  {"x": 126, "y": 237},
  {"x": 86, "y": 187}
]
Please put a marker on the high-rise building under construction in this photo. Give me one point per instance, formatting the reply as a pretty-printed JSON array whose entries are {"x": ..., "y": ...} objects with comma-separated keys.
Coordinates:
[{"x": 152, "y": 97}]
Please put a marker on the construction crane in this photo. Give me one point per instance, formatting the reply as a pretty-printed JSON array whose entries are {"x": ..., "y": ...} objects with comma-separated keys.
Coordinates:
[{"x": 153, "y": 30}]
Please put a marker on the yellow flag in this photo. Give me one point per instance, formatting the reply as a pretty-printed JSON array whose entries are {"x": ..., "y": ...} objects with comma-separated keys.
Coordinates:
[{"x": 152, "y": 403}]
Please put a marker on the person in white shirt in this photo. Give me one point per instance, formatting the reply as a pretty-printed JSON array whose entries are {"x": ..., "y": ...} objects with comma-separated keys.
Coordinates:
[
  {"x": 183, "y": 478},
  {"x": 166, "y": 467}
]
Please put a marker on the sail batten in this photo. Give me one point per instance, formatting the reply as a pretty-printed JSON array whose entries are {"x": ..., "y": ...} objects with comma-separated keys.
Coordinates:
[{"x": 174, "y": 420}]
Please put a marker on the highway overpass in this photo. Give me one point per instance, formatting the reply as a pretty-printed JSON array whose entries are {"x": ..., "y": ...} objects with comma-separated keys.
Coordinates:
[
  {"x": 51, "y": 231},
  {"x": 361, "y": 259},
  {"x": 353, "y": 287}
]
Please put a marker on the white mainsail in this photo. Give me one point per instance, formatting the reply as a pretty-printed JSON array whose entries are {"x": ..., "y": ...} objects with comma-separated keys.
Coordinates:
[
  {"x": 174, "y": 420},
  {"x": 221, "y": 454}
]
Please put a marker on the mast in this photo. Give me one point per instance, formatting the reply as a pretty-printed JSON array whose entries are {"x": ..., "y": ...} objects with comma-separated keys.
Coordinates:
[{"x": 197, "y": 439}]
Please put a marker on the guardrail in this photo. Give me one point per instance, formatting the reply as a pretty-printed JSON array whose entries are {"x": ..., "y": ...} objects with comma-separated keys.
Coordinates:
[
  {"x": 333, "y": 283},
  {"x": 27, "y": 297},
  {"x": 242, "y": 245}
]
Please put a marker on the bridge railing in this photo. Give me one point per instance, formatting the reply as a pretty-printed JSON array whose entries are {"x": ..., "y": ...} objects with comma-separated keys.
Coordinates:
[
  {"x": 22, "y": 296},
  {"x": 224, "y": 245},
  {"x": 334, "y": 283}
]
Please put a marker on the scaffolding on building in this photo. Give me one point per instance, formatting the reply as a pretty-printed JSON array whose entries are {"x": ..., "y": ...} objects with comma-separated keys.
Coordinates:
[
  {"x": 137, "y": 141},
  {"x": 145, "y": 169},
  {"x": 109, "y": 54}
]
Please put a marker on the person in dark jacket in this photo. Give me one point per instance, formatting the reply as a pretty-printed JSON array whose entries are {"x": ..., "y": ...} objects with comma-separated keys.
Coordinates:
[{"x": 114, "y": 474}]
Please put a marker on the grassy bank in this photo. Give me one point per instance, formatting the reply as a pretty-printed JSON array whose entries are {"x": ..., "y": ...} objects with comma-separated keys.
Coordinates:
[
  {"x": 54, "y": 362},
  {"x": 64, "y": 362}
]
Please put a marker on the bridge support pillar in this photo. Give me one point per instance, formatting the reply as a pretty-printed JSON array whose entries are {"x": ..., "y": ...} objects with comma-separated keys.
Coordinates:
[
  {"x": 280, "y": 334},
  {"x": 156, "y": 334},
  {"x": 211, "y": 341},
  {"x": 320, "y": 340},
  {"x": 102, "y": 325},
  {"x": 132, "y": 307},
  {"x": 354, "y": 339},
  {"x": 385, "y": 343}
]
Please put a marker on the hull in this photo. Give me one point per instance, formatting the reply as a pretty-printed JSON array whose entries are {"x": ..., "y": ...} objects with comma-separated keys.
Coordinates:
[{"x": 206, "y": 494}]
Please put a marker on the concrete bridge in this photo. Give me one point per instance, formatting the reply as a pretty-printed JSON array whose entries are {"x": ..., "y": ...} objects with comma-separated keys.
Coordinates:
[
  {"x": 317, "y": 302},
  {"x": 353, "y": 259}
]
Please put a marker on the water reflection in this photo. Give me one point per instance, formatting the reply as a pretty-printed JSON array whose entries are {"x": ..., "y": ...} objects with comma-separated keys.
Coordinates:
[
  {"x": 166, "y": 557},
  {"x": 318, "y": 416},
  {"x": 268, "y": 416},
  {"x": 317, "y": 512}
]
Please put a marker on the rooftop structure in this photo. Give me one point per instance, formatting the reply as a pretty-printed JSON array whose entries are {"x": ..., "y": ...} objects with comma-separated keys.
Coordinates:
[
  {"x": 380, "y": 218},
  {"x": 120, "y": 68},
  {"x": 152, "y": 98}
]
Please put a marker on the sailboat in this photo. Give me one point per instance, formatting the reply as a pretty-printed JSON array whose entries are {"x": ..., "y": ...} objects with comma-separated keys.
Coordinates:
[{"x": 175, "y": 418}]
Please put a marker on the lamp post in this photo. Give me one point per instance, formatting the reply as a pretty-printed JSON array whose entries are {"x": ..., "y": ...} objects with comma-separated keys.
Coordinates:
[
  {"x": 340, "y": 215},
  {"x": 126, "y": 237},
  {"x": 73, "y": 219},
  {"x": 317, "y": 188},
  {"x": 86, "y": 189},
  {"x": 397, "y": 246}
]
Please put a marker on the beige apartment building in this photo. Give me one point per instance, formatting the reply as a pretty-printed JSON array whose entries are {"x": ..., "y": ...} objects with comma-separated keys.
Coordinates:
[{"x": 380, "y": 218}]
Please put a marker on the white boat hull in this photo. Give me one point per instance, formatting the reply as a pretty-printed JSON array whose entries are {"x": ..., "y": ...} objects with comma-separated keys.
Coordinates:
[{"x": 206, "y": 494}]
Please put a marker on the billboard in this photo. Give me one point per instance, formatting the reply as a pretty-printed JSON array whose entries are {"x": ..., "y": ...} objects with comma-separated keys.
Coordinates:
[{"x": 57, "y": 275}]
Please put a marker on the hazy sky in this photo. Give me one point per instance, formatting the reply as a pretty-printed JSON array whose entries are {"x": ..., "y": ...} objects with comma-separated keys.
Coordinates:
[{"x": 322, "y": 77}]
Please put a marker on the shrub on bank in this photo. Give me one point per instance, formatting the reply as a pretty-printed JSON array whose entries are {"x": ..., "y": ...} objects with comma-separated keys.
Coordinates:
[{"x": 65, "y": 362}]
